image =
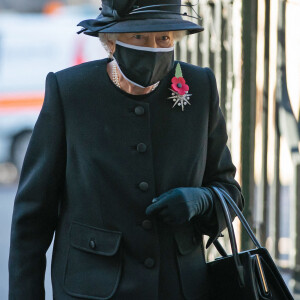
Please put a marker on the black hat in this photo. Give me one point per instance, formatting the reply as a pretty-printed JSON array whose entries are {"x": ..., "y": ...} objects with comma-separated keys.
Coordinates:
[{"x": 119, "y": 16}]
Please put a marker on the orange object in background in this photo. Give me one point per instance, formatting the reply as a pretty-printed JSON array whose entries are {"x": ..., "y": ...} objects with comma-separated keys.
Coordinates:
[
  {"x": 52, "y": 7},
  {"x": 21, "y": 101}
]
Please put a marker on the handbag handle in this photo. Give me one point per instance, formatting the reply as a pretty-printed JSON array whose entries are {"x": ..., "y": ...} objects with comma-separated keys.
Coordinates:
[
  {"x": 241, "y": 217},
  {"x": 236, "y": 258}
]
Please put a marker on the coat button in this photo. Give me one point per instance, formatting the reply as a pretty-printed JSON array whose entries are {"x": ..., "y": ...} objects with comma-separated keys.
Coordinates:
[
  {"x": 141, "y": 147},
  {"x": 149, "y": 262},
  {"x": 92, "y": 244},
  {"x": 139, "y": 110},
  {"x": 144, "y": 185},
  {"x": 147, "y": 224}
]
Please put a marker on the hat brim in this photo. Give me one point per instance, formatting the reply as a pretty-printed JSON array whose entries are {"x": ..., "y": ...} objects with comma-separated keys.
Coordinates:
[{"x": 148, "y": 25}]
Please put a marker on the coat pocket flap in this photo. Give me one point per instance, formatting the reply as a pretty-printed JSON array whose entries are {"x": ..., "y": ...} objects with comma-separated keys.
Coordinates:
[{"x": 95, "y": 240}]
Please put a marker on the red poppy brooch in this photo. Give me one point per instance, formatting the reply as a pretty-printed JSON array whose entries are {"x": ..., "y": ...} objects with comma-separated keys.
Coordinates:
[{"x": 179, "y": 89}]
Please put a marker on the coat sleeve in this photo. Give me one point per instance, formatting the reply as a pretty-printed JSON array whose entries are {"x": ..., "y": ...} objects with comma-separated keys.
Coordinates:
[
  {"x": 36, "y": 203},
  {"x": 219, "y": 170}
]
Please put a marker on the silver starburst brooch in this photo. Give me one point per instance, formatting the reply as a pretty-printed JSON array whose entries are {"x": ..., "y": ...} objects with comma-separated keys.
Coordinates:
[{"x": 179, "y": 89}]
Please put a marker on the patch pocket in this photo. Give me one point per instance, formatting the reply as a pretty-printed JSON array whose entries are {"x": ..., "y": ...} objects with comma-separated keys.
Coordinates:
[
  {"x": 94, "y": 262},
  {"x": 191, "y": 263}
]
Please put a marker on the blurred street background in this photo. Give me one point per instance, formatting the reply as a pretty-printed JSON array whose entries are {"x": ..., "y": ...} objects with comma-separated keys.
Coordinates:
[{"x": 252, "y": 46}]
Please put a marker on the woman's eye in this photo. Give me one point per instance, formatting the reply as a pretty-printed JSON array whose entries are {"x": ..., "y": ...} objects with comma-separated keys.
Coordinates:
[
  {"x": 165, "y": 38},
  {"x": 138, "y": 36}
]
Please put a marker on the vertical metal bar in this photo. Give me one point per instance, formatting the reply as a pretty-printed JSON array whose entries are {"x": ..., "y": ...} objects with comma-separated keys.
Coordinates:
[
  {"x": 223, "y": 55},
  {"x": 229, "y": 72},
  {"x": 295, "y": 200},
  {"x": 217, "y": 25},
  {"x": 265, "y": 112},
  {"x": 275, "y": 223},
  {"x": 206, "y": 34},
  {"x": 177, "y": 51},
  {"x": 275, "y": 186},
  {"x": 198, "y": 41},
  {"x": 192, "y": 42},
  {"x": 249, "y": 32}
]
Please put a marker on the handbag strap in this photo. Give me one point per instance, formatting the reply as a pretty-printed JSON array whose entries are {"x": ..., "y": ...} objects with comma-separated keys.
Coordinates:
[
  {"x": 241, "y": 217},
  {"x": 236, "y": 258}
]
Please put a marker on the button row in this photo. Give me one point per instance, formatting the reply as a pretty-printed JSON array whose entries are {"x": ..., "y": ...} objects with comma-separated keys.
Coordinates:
[
  {"x": 144, "y": 186},
  {"x": 141, "y": 147}
]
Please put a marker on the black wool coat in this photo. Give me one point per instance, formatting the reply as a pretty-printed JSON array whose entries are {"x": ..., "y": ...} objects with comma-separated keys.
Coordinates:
[{"x": 96, "y": 159}]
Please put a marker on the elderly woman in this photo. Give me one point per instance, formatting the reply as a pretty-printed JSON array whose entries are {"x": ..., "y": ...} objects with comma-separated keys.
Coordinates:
[{"x": 120, "y": 166}]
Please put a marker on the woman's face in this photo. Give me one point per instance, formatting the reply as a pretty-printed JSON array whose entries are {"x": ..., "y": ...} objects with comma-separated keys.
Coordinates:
[{"x": 146, "y": 39}]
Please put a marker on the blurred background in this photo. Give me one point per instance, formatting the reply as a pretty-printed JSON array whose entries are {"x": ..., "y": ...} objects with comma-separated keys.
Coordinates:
[{"x": 253, "y": 48}]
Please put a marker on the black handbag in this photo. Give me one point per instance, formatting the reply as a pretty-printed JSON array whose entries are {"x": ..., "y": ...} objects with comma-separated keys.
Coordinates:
[{"x": 246, "y": 275}]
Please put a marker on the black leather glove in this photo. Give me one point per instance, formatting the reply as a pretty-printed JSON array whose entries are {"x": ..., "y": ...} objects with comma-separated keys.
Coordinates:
[{"x": 179, "y": 205}]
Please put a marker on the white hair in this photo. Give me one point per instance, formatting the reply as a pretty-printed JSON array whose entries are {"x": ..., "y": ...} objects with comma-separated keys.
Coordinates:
[{"x": 105, "y": 37}]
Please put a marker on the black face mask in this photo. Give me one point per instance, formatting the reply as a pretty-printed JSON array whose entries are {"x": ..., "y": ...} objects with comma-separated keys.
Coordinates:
[{"x": 143, "y": 66}]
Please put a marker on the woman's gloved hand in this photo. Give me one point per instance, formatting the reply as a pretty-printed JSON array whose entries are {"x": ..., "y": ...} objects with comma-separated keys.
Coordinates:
[{"x": 179, "y": 205}]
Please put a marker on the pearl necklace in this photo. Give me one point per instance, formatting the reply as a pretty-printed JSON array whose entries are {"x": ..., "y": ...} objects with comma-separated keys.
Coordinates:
[
  {"x": 115, "y": 75},
  {"x": 116, "y": 78}
]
